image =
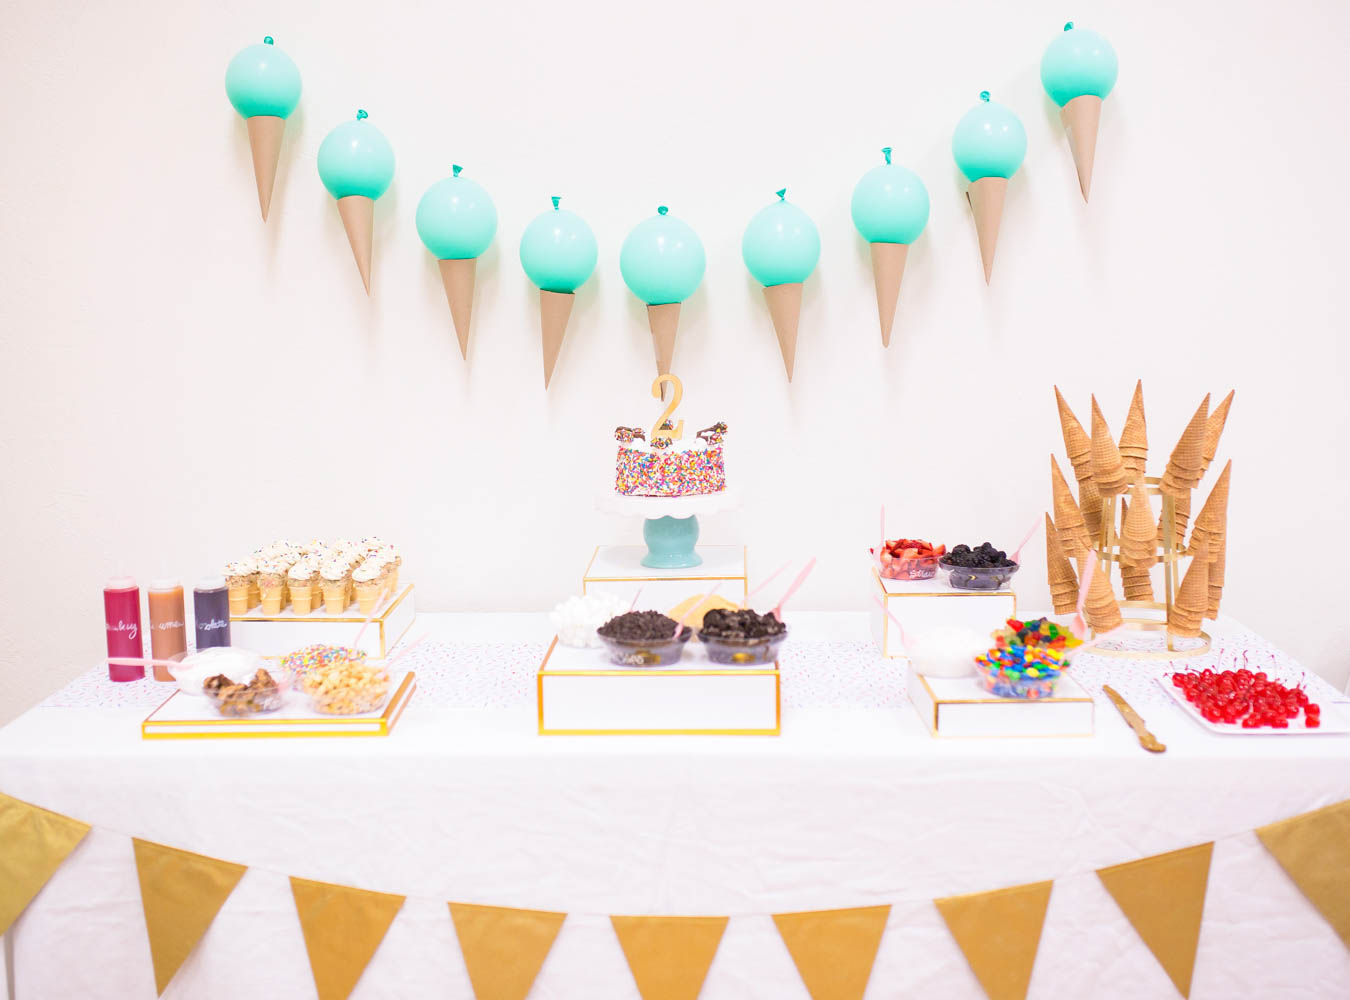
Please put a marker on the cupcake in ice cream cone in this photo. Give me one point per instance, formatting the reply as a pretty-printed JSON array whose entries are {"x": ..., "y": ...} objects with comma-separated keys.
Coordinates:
[
  {"x": 334, "y": 575},
  {"x": 303, "y": 581},
  {"x": 371, "y": 579},
  {"x": 241, "y": 577},
  {"x": 272, "y": 585}
]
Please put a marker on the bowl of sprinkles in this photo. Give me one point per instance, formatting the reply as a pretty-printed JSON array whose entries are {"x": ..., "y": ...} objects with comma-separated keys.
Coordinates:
[
  {"x": 1026, "y": 659},
  {"x": 318, "y": 657}
]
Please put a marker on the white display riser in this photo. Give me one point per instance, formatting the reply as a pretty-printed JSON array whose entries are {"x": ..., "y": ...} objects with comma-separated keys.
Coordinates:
[
  {"x": 959, "y": 707},
  {"x": 932, "y": 604},
  {"x": 284, "y": 632},
  {"x": 618, "y": 570}
]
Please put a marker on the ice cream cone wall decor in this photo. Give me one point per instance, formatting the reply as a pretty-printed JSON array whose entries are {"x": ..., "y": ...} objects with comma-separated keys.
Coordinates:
[
  {"x": 558, "y": 251},
  {"x": 457, "y": 220},
  {"x": 662, "y": 262},
  {"x": 989, "y": 145},
  {"x": 356, "y": 164},
  {"x": 1078, "y": 70},
  {"x": 890, "y": 209},
  {"x": 263, "y": 84},
  {"x": 781, "y": 247}
]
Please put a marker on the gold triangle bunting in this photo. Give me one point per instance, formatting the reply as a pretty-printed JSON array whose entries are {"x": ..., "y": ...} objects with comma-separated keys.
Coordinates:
[
  {"x": 343, "y": 928},
  {"x": 999, "y": 932},
  {"x": 1164, "y": 899},
  {"x": 33, "y": 844},
  {"x": 669, "y": 956},
  {"x": 1314, "y": 849},
  {"x": 504, "y": 948},
  {"x": 834, "y": 949},
  {"x": 181, "y": 893}
]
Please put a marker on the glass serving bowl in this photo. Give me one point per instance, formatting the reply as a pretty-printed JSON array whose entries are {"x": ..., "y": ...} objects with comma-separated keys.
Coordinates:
[
  {"x": 246, "y": 696},
  {"x": 350, "y": 698},
  {"x": 992, "y": 680},
  {"x": 740, "y": 652},
  {"x": 647, "y": 652},
  {"x": 909, "y": 568},
  {"x": 978, "y": 577}
]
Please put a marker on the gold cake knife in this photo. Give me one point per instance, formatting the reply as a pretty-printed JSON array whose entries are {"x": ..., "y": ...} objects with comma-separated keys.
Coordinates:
[{"x": 1146, "y": 739}]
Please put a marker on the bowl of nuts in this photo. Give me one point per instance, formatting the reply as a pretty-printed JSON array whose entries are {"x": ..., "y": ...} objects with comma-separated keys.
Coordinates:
[{"x": 346, "y": 686}]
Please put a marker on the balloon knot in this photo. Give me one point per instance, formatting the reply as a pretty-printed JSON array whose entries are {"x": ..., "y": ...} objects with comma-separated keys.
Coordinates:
[
  {"x": 267, "y": 40},
  {"x": 360, "y": 113},
  {"x": 781, "y": 192},
  {"x": 455, "y": 169},
  {"x": 1068, "y": 26},
  {"x": 556, "y": 198},
  {"x": 886, "y": 151},
  {"x": 662, "y": 210},
  {"x": 984, "y": 96}
]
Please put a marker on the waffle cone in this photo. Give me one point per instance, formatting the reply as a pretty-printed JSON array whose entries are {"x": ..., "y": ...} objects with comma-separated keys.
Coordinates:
[
  {"x": 1134, "y": 436},
  {"x": 1193, "y": 595},
  {"x": 1059, "y": 571},
  {"x": 1212, "y": 522},
  {"x": 785, "y": 308},
  {"x": 554, "y": 309},
  {"x": 986, "y": 201},
  {"x": 358, "y": 219},
  {"x": 1137, "y": 583},
  {"x": 1187, "y": 463},
  {"x": 1107, "y": 468},
  {"x": 1139, "y": 532},
  {"x": 1101, "y": 607},
  {"x": 1091, "y": 506},
  {"x": 888, "y": 268},
  {"x": 264, "y": 142},
  {"x": 458, "y": 278},
  {"x": 1081, "y": 117},
  {"x": 1077, "y": 444},
  {"x": 1068, "y": 518},
  {"x": 1214, "y": 428}
]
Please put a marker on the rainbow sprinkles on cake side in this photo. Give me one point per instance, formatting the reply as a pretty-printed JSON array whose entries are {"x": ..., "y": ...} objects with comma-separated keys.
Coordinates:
[{"x": 665, "y": 467}]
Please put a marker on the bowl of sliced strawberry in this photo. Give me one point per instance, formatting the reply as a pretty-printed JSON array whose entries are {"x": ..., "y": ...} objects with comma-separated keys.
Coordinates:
[{"x": 909, "y": 559}]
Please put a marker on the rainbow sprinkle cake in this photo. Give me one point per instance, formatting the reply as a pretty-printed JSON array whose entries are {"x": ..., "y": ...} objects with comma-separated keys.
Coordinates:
[{"x": 666, "y": 468}]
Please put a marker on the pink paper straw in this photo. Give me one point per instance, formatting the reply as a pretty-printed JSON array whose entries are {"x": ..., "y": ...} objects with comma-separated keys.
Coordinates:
[
  {"x": 904, "y": 638},
  {"x": 882, "y": 547},
  {"x": 1017, "y": 553},
  {"x": 765, "y": 582},
  {"x": 405, "y": 651},
  {"x": 356, "y": 643},
  {"x": 141, "y": 661},
  {"x": 1079, "y": 623},
  {"x": 635, "y": 599},
  {"x": 777, "y": 612}
]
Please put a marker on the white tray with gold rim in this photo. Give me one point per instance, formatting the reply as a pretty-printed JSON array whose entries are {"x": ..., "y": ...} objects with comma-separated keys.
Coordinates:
[
  {"x": 581, "y": 693},
  {"x": 276, "y": 635},
  {"x": 959, "y": 707},
  {"x": 935, "y": 604}
]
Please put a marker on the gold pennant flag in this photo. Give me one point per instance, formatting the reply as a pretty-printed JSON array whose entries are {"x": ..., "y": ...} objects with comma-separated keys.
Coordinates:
[
  {"x": 999, "y": 932},
  {"x": 669, "y": 956},
  {"x": 343, "y": 927},
  {"x": 834, "y": 949},
  {"x": 1164, "y": 898},
  {"x": 181, "y": 894},
  {"x": 33, "y": 843},
  {"x": 1314, "y": 849},
  {"x": 504, "y": 948}
]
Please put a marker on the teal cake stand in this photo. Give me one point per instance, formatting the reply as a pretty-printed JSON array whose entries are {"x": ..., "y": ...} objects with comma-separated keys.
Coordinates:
[{"x": 670, "y": 524}]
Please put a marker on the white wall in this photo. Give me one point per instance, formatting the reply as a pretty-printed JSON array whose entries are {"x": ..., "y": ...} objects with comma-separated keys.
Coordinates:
[{"x": 163, "y": 348}]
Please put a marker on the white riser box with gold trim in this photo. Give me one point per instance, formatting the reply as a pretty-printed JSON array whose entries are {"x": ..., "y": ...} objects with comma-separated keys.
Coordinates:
[
  {"x": 935, "y": 605},
  {"x": 959, "y": 707},
  {"x": 618, "y": 570},
  {"x": 284, "y": 632}
]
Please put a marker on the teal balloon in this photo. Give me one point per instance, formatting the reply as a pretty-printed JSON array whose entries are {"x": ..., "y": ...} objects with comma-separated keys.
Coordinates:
[
  {"x": 558, "y": 250},
  {"x": 263, "y": 80},
  {"x": 781, "y": 245},
  {"x": 662, "y": 259},
  {"x": 989, "y": 141},
  {"x": 890, "y": 204},
  {"x": 356, "y": 159},
  {"x": 1078, "y": 63},
  {"x": 456, "y": 219}
]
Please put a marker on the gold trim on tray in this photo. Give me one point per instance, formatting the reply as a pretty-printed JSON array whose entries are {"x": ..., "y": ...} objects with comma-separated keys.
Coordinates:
[
  {"x": 936, "y": 702},
  {"x": 327, "y": 619}
]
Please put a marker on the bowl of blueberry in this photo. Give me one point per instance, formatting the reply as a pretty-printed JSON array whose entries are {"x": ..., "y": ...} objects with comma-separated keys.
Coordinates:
[{"x": 981, "y": 568}]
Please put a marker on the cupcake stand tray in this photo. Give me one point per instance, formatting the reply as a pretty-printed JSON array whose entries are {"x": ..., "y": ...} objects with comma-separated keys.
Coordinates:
[
  {"x": 959, "y": 707},
  {"x": 185, "y": 717},
  {"x": 581, "y": 693},
  {"x": 275, "y": 635}
]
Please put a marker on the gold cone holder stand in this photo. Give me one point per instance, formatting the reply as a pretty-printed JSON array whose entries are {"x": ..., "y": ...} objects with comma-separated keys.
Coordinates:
[{"x": 1108, "y": 556}]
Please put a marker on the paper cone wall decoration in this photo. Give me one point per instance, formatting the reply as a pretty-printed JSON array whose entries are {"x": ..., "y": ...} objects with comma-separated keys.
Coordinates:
[
  {"x": 554, "y": 309},
  {"x": 1192, "y": 600},
  {"x": 1068, "y": 518},
  {"x": 785, "y": 308},
  {"x": 1101, "y": 608},
  {"x": 264, "y": 142},
  {"x": 1108, "y": 471},
  {"x": 1063, "y": 580},
  {"x": 343, "y": 928},
  {"x": 888, "y": 268},
  {"x": 1134, "y": 437},
  {"x": 458, "y": 278},
  {"x": 33, "y": 844},
  {"x": 1214, "y": 428},
  {"x": 664, "y": 320},
  {"x": 1139, "y": 532},
  {"x": 1187, "y": 464},
  {"x": 1314, "y": 849},
  {"x": 1164, "y": 899},
  {"x": 504, "y": 948},
  {"x": 358, "y": 219},
  {"x": 669, "y": 956},
  {"x": 1081, "y": 118},
  {"x": 834, "y": 949},
  {"x": 181, "y": 893},
  {"x": 999, "y": 932},
  {"x": 986, "y": 201},
  {"x": 1077, "y": 444},
  {"x": 1211, "y": 525}
]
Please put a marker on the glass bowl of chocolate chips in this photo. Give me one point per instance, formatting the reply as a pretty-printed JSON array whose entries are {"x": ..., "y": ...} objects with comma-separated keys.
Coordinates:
[
  {"x": 741, "y": 637},
  {"x": 644, "y": 639}
]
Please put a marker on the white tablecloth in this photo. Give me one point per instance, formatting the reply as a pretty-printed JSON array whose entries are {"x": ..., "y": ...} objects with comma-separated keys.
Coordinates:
[{"x": 853, "y": 805}]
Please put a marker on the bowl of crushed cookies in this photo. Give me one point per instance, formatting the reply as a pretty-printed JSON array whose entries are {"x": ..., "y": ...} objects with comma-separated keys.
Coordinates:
[
  {"x": 264, "y": 691},
  {"x": 346, "y": 685}
]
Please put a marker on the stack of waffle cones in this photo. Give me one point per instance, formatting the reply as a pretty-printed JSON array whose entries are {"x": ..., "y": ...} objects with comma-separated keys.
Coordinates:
[
  {"x": 1063, "y": 580},
  {"x": 1077, "y": 444},
  {"x": 1187, "y": 464},
  {"x": 1192, "y": 602},
  {"x": 1134, "y": 436},
  {"x": 1138, "y": 532},
  {"x": 1108, "y": 470},
  {"x": 1091, "y": 506},
  {"x": 1072, "y": 530},
  {"x": 1101, "y": 608},
  {"x": 1214, "y": 428},
  {"x": 1216, "y": 568},
  {"x": 1211, "y": 525}
]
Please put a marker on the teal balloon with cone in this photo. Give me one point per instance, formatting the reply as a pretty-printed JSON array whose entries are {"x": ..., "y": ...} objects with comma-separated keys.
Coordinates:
[
  {"x": 263, "y": 84},
  {"x": 890, "y": 210},
  {"x": 558, "y": 251},
  {"x": 781, "y": 248},
  {"x": 989, "y": 145},
  {"x": 1078, "y": 71},
  {"x": 356, "y": 165},
  {"x": 457, "y": 221},
  {"x": 662, "y": 262}
]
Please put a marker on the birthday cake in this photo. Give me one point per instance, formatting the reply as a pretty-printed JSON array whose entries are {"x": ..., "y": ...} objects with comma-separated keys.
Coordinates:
[{"x": 665, "y": 467}]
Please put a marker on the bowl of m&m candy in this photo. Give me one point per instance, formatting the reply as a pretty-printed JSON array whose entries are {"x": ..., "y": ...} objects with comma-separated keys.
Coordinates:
[{"x": 1026, "y": 659}]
